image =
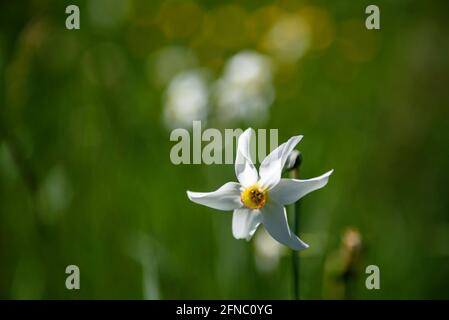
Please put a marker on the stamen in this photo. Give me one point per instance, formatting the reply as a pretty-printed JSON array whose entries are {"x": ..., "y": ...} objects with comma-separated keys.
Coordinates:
[{"x": 254, "y": 197}]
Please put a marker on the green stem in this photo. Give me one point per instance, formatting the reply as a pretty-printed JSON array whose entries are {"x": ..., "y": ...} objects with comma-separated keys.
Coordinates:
[
  {"x": 292, "y": 166},
  {"x": 295, "y": 254}
]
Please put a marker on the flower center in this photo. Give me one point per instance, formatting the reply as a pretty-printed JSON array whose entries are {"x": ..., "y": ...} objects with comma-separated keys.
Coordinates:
[{"x": 254, "y": 197}]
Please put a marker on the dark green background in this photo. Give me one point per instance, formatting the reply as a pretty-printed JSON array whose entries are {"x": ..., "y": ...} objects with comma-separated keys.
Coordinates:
[{"x": 86, "y": 179}]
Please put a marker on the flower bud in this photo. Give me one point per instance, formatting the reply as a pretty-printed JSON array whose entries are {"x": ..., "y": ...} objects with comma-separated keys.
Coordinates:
[{"x": 294, "y": 160}]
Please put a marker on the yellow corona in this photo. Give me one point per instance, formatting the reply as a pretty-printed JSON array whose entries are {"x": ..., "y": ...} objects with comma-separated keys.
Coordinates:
[{"x": 254, "y": 197}]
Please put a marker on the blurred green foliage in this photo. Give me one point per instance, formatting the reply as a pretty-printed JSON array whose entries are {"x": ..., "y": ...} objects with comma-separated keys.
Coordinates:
[{"x": 85, "y": 174}]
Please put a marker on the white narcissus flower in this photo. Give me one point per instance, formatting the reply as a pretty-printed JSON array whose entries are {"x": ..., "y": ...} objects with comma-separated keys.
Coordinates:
[{"x": 260, "y": 197}]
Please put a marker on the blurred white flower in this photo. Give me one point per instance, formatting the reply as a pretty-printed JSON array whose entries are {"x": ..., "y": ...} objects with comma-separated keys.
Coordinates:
[
  {"x": 260, "y": 197},
  {"x": 186, "y": 99},
  {"x": 268, "y": 252},
  {"x": 144, "y": 250},
  {"x": 245, "y": 91}
]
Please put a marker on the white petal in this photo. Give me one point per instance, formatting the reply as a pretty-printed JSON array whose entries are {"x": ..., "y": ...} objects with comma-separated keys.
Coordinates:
[
  {"x": 271, "y": 168},
  {"x": 288, "y": 191},
  {"x": 274, "y": 219},
  {"x": 226, "y": 197},
  {"x": 244, "y": 168},
  {"x": 245, "y": 222}
]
